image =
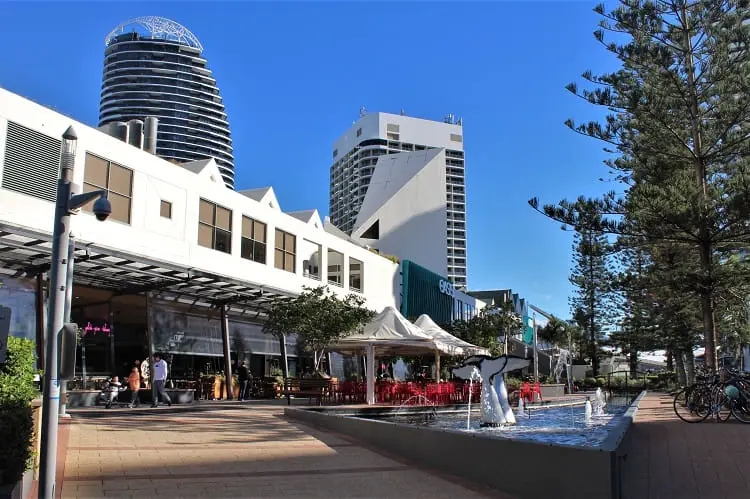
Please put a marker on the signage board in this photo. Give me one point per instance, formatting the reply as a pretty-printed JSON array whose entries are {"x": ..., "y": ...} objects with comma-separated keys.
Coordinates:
[{"x": 446, "y": 287}]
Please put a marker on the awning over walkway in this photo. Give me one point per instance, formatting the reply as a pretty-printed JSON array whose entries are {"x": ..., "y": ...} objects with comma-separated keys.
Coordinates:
[{"x": 26, "y": 253}]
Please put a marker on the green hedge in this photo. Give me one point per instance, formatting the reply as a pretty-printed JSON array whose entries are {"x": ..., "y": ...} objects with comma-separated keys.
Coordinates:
[{"x": 16, "y": 423}]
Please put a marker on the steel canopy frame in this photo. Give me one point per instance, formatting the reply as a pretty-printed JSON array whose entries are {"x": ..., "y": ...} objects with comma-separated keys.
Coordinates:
[
  {"x": 25, "y": 252},
  {"x": 158, "y": 28}
]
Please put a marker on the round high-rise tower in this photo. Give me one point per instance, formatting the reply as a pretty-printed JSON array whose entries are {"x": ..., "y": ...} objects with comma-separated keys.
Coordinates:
[{"x": 153, "y": 67}]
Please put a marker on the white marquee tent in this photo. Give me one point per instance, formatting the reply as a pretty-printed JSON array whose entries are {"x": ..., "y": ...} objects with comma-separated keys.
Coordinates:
[
  {"x": 390, "y": 333},
  {"x": 446, "y": 342}
]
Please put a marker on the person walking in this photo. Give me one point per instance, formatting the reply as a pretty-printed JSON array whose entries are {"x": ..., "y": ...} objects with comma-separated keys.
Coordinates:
[
  {"x": 134, "y": 383},
  {"x": 243, "y": 375},
  {"x": 160, "y": 378}
]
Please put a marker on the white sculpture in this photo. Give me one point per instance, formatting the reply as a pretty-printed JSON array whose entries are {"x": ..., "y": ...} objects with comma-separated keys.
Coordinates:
[{"x": 495, "y": 408}]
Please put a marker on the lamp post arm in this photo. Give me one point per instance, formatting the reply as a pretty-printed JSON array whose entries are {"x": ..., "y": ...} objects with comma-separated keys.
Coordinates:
[{"x": 79, "y": 200}]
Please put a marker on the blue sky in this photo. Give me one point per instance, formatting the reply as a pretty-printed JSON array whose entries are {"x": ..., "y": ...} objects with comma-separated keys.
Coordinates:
[{"x": 294, "y": 75}]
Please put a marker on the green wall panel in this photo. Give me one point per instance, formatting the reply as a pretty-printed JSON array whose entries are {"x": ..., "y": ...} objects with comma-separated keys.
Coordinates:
[{"x": 421, "y": 294}]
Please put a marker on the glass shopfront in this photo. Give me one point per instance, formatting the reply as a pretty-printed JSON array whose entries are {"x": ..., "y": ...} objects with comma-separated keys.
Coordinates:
[
  {"x": 114, "y": 336},
  {"x": 20, "y": 296}
]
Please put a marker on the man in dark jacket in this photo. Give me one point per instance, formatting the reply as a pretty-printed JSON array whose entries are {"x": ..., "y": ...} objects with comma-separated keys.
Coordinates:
[{"x": 243, "y": 375}]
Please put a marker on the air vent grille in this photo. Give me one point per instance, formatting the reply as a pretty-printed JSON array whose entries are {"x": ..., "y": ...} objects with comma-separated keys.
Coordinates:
[{"x": 32, "y": 162}]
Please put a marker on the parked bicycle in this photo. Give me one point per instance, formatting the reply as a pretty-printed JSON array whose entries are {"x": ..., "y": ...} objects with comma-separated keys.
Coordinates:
[{"x": 721, "y": 395}]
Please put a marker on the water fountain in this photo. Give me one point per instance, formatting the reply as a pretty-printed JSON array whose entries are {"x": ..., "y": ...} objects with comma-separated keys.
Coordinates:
[
  {"x": 474, "y": 374},
  {"x": 587, "y": 411},
  {"x": 598, "y": 403},
  {"x": 495, "y": 408},
  {"x": 418, "y": 398}
]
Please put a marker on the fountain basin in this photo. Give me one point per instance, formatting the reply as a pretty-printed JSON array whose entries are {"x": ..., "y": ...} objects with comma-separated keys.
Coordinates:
[
  {"x": 521, "y": 467},
  {"x": 562, "y": 424}
]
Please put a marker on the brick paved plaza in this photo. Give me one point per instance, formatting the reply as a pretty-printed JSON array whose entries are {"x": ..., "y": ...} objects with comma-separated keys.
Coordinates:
[
  {"x": 251, "y": 450},
  {"x": 671, "y": 459},
  {"x": 235, "y": 451}
]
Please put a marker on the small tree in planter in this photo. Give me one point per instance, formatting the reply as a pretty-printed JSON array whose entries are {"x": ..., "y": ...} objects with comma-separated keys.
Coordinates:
[
  {"x": 16, "y": 423},
  {"x": 318, "y": 317}
]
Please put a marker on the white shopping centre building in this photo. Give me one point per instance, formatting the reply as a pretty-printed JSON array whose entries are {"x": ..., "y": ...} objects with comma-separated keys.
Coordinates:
[
  {"x": 178, "y": 248},
  {"x": 179, "y": 253}
]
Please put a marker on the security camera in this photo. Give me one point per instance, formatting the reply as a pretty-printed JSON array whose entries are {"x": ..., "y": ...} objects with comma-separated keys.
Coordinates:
[{"x": 102, "y": 209}]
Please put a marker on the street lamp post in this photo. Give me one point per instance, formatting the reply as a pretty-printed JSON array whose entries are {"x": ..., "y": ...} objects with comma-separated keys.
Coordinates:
[
  {"x": 65, "y": 205},
  {"x": 68, "y": 310},
  {"x": 536, "y": 346}
]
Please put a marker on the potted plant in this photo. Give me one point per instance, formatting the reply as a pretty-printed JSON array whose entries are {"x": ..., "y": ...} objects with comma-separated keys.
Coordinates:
[
  {"x": 273, "y": 384},
  {"x": 16, "y": 420}
]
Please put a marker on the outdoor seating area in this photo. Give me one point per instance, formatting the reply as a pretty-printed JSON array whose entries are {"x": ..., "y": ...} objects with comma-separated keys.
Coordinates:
[
  {"x": 328, "y": 392},
  {"x": 530, "y": 391},
  {"x": 390, "y": 333}
]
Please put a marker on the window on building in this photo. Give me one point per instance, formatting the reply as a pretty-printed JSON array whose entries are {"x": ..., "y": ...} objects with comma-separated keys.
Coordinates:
[
  {"x": 456, "y": 137},
  {"x": 373, "y": 232},
  {"x": 253, "y": 240},
  {"x": 100, "y": 174},
  {"x": 335, "y": 268},
  {"x": 390, "y": 127},
  {"x": 285, "y": 251},
  {"x": 393, "y": 136},
  {"x": 355, "y": 274},
  {"x": 165, "y": 210},
  {"x": 311, "y": 254},
  {"x": 215, "y": 226},
  {"x": 359, "y": 132}
]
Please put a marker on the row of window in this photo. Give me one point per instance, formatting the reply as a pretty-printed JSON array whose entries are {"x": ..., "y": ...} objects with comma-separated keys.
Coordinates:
[
  {"x": 215, "y": 226},
  {"x": 148, "y": 45},
  {"x": 215, "y": 232},
  {"x": 146, "y": 80}
]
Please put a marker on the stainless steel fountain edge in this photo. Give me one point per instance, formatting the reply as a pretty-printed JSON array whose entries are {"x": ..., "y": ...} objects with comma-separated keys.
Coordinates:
[
  {"x": 617, "y": 445},
  {"x": 504, "y": 464},
  {"x": 617, "y": 434}
]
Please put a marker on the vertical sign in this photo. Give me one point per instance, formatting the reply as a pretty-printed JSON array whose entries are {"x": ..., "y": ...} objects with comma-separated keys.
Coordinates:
[
  {"x": 528, "y": 331},
  {"x": 4, "y": 331}
]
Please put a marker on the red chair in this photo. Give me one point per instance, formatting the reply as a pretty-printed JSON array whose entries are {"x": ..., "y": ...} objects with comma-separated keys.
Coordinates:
[
  {"x": 537, "y": 390},
  {"x": 345, "y": 392},
  {"x": 526, "y": 392}
]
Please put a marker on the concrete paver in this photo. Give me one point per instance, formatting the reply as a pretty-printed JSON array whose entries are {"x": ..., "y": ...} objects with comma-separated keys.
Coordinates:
[
  {"x": 669, "y": 458},
  {"x": 253, "y": 451},
  {"x": 236, "y": 451}
]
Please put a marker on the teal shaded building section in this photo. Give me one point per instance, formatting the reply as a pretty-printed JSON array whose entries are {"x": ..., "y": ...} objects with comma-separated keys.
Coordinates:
[
  {"x": 421, "y": 294},
  {"x": 496, "y": 298},
  {"x": 528, "y": 330}
]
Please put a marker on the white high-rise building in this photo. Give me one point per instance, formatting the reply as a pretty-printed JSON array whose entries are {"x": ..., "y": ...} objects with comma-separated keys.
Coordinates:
[{"x": 397, "y": 184}]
